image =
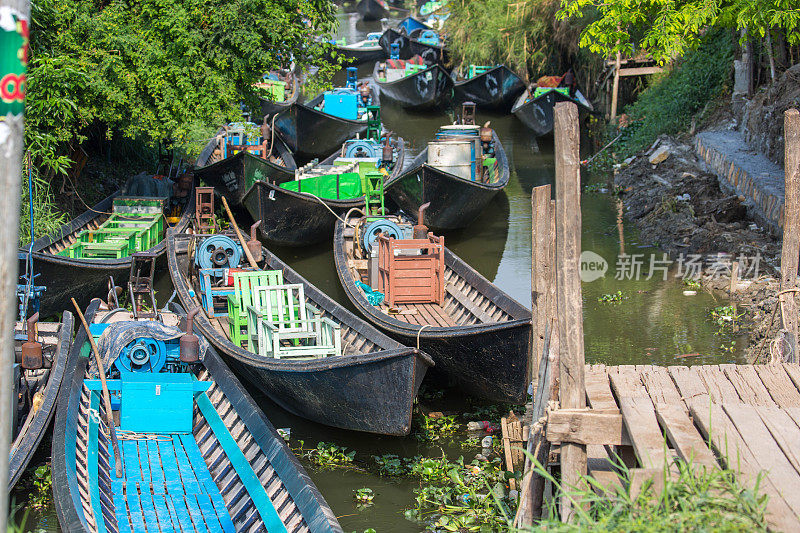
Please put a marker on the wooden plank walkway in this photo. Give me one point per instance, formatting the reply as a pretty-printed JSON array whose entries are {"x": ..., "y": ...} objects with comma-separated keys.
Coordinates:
[{"x": 743, "y": 417}]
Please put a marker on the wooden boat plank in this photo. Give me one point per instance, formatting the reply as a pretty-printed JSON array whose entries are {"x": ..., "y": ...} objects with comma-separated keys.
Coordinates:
[
  {"x": 156, "y": 469},
  {"x": 169, "y": 463},
  {"x": 198, "y": 463},
  {"x": 189, "y": 478},
  {"x": 148, "y": 507},
  {"x": 425, "y": 315},
  {"x": 214, "y": 520},
  {"x": 165, "y": 518},
  {"x": 130, "y": 457},
  {"x": 173, "y": 513},
  {"x": 182, "y": 511},
  {"x": 194, "y": 511},
  {"x": 468, "y": 304}
]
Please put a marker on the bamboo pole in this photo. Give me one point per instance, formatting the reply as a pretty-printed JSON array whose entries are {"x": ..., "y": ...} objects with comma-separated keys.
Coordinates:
[
  {"x": 250, "y": 257},
  {"x": 572, "y": 390},
  {"x": 14, "y": 14},
  {"x": 615, "y": 89},
  {"x": 790, "y": 249}
]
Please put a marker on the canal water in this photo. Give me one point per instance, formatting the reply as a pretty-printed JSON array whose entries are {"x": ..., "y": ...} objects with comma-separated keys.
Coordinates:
[{"x": 654, "y": 323}]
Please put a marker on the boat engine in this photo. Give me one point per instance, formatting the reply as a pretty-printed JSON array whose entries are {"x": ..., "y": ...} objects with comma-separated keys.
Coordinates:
[
  {"x": 142, "y": 355},
  {"x": 361, "y": 148},
  {"x": 379, "y": 227},
  {"x": 190, "y": 343},
  {"x": 387, "y": 154},
  {"x": 254, "y": 245},
  {"x": 365, "y": 93},
  {"x": 486, "y": 140},
  {"x": 218, "y": 251}
]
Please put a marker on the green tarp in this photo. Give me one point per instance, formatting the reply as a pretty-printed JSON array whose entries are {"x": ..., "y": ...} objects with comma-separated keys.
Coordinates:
[{"x": 331, "y": 186}]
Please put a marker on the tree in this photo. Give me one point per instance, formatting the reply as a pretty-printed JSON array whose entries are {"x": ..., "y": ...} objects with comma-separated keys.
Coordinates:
[
  {"x": 155, "y": 69},
  {"x": 668, "y": 28}
]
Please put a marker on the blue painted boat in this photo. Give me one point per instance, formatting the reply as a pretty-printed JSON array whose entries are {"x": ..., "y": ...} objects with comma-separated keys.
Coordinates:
[{"x": 196, "y": 452}]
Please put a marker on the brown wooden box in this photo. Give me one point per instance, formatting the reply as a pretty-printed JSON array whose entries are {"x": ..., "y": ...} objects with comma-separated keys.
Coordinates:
[{"x": 406, "y": 276}]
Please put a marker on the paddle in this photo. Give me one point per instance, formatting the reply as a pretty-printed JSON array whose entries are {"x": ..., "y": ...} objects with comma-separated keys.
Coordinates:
[
  {"x": 106, "y": 395},
  {"x": 250, "y": 257}
]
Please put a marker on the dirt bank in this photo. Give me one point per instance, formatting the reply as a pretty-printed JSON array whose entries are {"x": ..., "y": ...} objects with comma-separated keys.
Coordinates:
[{"x": 680, "y": 208}]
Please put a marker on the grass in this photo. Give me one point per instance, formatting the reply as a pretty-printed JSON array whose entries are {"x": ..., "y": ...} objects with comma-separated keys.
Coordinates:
[
  {"x": 696, "y": 499},
  {"x": 673, "y": 98},
  {"x": 46, "y": 214}
]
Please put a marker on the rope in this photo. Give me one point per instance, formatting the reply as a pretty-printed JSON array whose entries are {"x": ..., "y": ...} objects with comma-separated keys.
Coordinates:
[
  {"x": 123, "y": 434},
  {"x": 420, "y": 331},
  {"x": 29, "y": 261}
]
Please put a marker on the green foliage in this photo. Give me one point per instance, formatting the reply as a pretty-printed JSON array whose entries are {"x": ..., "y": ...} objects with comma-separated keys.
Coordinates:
[
  {"x": 453, "y": 496},
  {"x": 155, "y": 69},
  {"x": 522, "y": 35},
  {"x": 668, "y": 29},
  {"x": 46, "y": 215},
  {"x": 42, "y": 487},
  {"x": 435, "y": 428},
  {"x": 612, "y": 298},
  {"x": 389, "y": 465},
  {"x": 726, "y": 316},
  {"x": 667, "y": 106},
  {"x": 695, "y": 500},
  {"x": 327, "y": 454},
  {"x": 363, "y": 497},
  {"x": 491, "y": 412}
]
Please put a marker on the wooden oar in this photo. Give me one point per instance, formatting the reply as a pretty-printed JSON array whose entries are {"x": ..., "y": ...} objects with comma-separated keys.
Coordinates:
[
  {"x": 250, "y": 257},
  {"x": 106, "y": 395}
]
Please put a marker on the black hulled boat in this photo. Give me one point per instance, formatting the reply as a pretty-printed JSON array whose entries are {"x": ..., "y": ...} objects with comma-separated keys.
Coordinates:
[
  {"x": 319, "y": 127},
  {"x": 281, "y": 88},
  {"x": 458, "y": 174},
  {"x": 303, "y": 211},
  {"x": 370, "y": 387},
  {"x": 239, "y": 155},
  {"x": 195, "y": 452},
  {"x": 477, "y": 335},
  {"x": 495, "y": 88},
  {"x": 37, "y": 381},
  {"x": 363, "y": 51},
  {"x": 537, "y": 112},
  {"x": 372, "y": 9},
  {"x": 414, "y": 86}
]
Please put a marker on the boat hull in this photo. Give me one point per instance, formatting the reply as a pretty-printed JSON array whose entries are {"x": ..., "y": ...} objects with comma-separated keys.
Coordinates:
[
  {"x": 484, "y": 360},
  {"x": 409, "y": 47},
  {"x": 426, "y": 89},
  {"x": 371, "y": 392},
  {"x": 313, "y": 134},
  {"x": 357, "y": 56},
  {"x": 82, "y": 279},
  {"x": 537, "y": 114},
  {"x": 21, "y": 454},
  {"x": 233, "y": 176},
  {"x": 371, "y": 10},
  {"x": 496, "y": 89},
  {"x": 455, "y": 201}
]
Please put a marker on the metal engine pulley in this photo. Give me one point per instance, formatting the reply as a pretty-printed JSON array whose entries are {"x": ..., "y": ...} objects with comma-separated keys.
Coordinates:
[
  {"x": 362, "y": 148},
  {"x": 142, "y": 355},
  {"x": 218, "y": 251},
  {"x": 378, "y": 227}
]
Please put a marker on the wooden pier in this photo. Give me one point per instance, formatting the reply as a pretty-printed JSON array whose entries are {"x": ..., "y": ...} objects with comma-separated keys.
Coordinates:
[{"x": 587, "y": 418}]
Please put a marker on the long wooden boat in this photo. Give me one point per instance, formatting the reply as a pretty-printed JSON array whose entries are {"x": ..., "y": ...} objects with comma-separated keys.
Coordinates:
[
  {"x": 197, "y": 452},
  {"x": 495, "y": 89},
  {"x": 363, "y": 51},
  {"x": 478, "y": 337},
  {"x": 233, "y": 176},
  {"x": 39, "y": 388},
  {"x": 425, "y": 89},
  {"x": 311, "y": 133},
  {"x": 455, "y": 201},
  {"x": 269, "y": 106},
  {"x": 67, "y": 277},
  {"x": 296, "y": 218},
  {"x": 372, "y": 9},
  {"x": 371, "y": 387},
  {"x": 537, "y": 112},
  {"x": 410, "y": 45}
]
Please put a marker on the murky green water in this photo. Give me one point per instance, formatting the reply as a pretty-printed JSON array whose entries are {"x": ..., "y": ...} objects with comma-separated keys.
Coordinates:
[{"x": 654, "y": 324}]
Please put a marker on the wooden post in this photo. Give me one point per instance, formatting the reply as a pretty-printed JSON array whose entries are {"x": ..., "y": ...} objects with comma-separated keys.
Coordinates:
[
  {"x": 14, "y": 15},
  {"x": 734, "y": 286},
  {"x": 790, "y": 250},
  {"x": 572, "y": 390},
  {"x": 615, "y": 89},
  {"x": 541, "y": 271}
]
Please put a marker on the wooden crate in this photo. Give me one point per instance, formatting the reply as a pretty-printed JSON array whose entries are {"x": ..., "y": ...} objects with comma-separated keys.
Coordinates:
[{"x": 411, "y": 270}]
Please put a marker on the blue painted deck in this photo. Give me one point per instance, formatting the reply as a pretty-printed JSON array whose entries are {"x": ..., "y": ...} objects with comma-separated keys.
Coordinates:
[{"x": 167, "y": 487}]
